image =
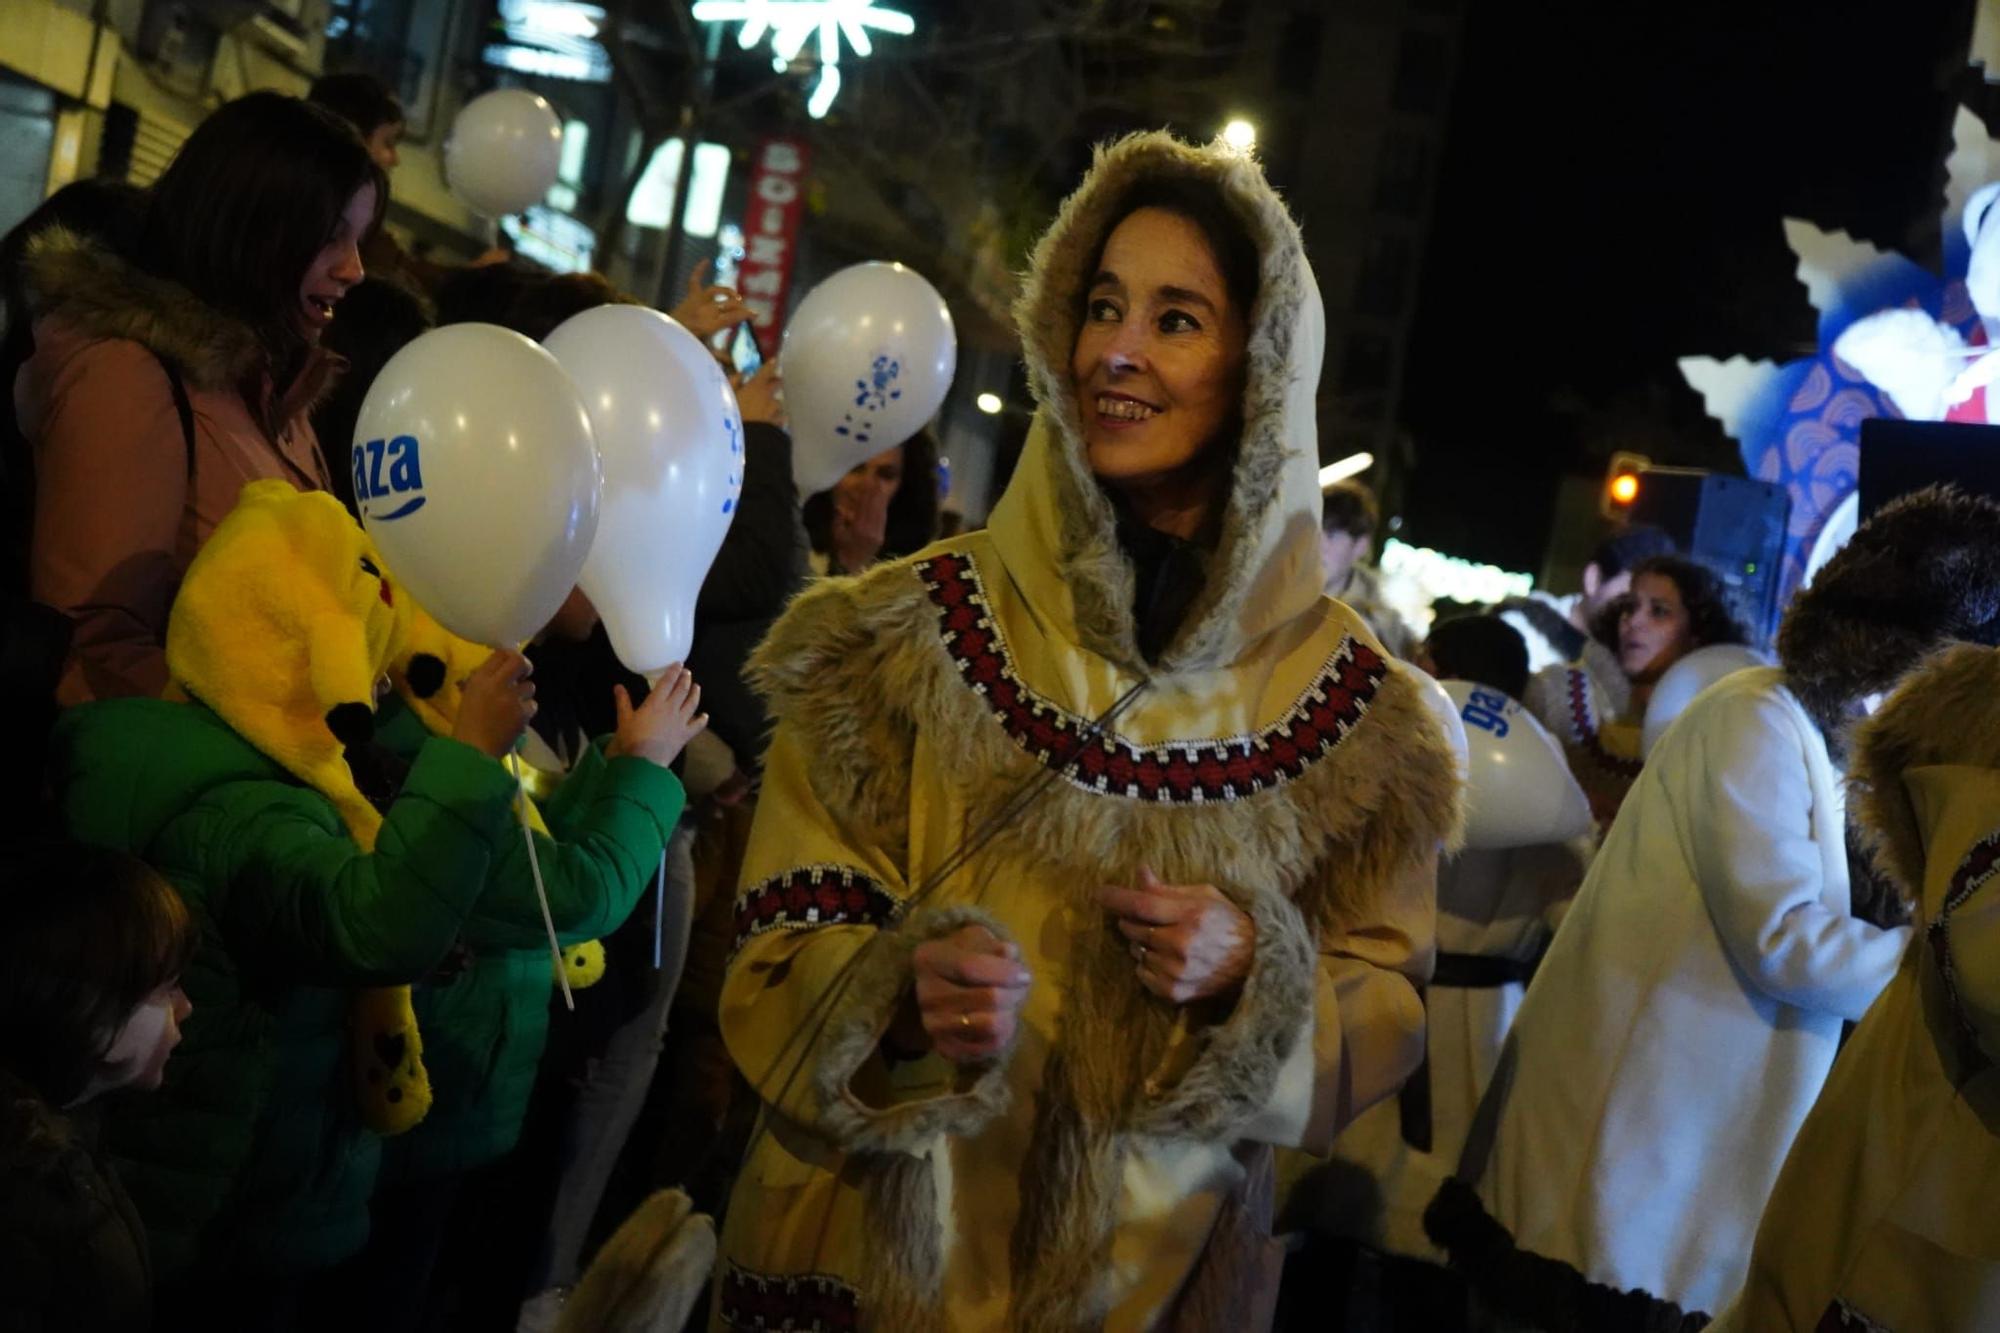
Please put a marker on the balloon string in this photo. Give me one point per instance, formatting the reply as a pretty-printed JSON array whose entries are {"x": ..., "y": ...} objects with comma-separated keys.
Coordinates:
[
  {"x": 541, "y": 889},
  {"x": 660, "y": 907},
  {"x": 821, "y": 1011}
]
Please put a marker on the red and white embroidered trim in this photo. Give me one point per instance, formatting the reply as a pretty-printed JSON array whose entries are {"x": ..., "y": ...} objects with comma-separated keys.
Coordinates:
[
  {"x": 1168, "y": 773},
  {"x": 794, "y": 1303},
  {"x": 809, "y": 897},
  {"x": 1583, "y": 729}
]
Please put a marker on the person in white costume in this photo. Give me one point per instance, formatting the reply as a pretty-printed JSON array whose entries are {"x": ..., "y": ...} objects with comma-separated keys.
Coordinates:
[
  {"x": 1685, "y": 1018},
  {"x": 1498, "y": 908}
]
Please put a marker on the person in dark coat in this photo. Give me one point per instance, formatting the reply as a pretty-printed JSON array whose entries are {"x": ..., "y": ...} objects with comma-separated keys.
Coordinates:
[{"x": 90, "y": 1003}]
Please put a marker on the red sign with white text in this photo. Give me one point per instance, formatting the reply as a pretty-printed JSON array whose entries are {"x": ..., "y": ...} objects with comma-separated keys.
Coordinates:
[{"x": 771, "y": 235}]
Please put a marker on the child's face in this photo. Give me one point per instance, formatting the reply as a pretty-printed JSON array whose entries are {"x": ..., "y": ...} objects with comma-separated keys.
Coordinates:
[{"x": 138, "y": 1055}]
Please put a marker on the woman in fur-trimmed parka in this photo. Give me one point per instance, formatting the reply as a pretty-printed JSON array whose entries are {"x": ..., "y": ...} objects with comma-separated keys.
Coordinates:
[
  {"x": 1882, "y": 1218},
  {"x": 1036, "y": 1087}
]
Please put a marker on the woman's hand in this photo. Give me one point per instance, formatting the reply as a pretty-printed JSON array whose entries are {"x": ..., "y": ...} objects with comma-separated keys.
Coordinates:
[
  {"x": 967, "y": 998},
  {"x": 1191, "y": 942},
  {"x": 659, "y": 729},
  {"x": 860, "y": 526},
  {"x": 762, "y": 396},
  {"x": 498, "y": 703},
  {"x": 706, "y": 311}
]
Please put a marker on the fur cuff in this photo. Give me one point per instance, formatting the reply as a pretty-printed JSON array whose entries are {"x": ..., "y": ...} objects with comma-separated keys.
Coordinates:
[
  {"x": 1545, "y": 1293},
  {"x": 854, "y": 1031},
  {"x": 1234, "y": 1076}
]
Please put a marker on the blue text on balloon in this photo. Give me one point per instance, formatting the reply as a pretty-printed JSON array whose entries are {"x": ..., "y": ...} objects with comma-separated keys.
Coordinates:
[{"x": 404, "y": 478}]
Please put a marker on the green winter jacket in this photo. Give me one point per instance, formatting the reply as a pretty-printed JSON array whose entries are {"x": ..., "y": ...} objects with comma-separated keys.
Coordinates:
[
  {"x": 252, "y": 1155},
  {"x": 484, "y": 1029}
]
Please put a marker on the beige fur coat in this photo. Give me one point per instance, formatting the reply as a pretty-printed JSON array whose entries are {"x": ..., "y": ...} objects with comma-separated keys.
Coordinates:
[{"x": 1111, "y": 1169}]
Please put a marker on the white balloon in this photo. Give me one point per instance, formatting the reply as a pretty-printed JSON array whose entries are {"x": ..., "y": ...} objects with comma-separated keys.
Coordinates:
[
  {"x": 1519, "y": 791},
  {"x": 867, "y": 360},
  {"x": 670, "y": 439},
  {"x": 1681, "y": 682},
  {"x": 1838, "y": 530},
  {"x": 1443, "y": 707},
  {"x": 505, "y": 151},
  {"x": 476, "y": 475}
]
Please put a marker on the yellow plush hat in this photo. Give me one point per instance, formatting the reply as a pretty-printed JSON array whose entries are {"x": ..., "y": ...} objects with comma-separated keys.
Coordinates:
[
  {"x": 431, "y": 669},
  {"x": 284, "y": 624}
]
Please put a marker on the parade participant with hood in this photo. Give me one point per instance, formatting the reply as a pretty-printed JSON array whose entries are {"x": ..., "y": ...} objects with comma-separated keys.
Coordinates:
[
  {"x": 310, "y": 867},
  {"x": 165, "y": 379},
  {"x": 1042, "y": 1092},
  {"x": 1883, "y": 1215},
  {"x": 1596, "y": 706},
  {"x": 1690, "y": 1007}
]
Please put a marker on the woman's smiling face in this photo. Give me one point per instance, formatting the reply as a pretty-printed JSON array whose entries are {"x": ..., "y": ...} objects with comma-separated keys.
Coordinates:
[{"x": 1158, "y": 362}]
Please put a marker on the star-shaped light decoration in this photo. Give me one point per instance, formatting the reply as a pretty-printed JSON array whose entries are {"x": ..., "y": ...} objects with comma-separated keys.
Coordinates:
[{"x": 791, "y": 23}]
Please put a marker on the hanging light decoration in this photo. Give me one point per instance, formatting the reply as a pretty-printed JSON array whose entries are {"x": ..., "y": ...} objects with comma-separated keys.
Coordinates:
[{"x": 790, "y": 24}]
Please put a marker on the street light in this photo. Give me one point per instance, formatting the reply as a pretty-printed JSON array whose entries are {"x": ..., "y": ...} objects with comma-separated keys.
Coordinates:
[
  {"x": 989, "y": 403},
  {"x": 1240, "y": 135}
]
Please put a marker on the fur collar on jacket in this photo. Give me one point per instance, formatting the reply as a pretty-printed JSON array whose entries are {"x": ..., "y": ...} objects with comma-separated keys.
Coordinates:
[
  {"x": 100, "y": 294},
  {"x": 1941, "y": 714}
]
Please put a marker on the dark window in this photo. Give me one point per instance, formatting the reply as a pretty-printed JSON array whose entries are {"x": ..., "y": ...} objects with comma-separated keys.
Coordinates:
[
  {"x": 401, "y": 42},
  {"x": 1423, "y": 67},
  {"x": 1385, "y": 277},
  {"x": 1298, "y": 51},
  {"x": 1402, "y": 171},
  {"x": 114, "y": 148},
  {"x": 1364, "y": 366}
]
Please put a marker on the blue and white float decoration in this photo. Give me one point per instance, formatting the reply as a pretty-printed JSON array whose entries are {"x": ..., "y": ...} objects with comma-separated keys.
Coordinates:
[{"x": 1896, "y": 339}]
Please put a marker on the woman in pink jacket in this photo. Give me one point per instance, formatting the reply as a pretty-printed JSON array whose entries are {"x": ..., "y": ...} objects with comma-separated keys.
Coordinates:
[{"x": 164, "y": 379}]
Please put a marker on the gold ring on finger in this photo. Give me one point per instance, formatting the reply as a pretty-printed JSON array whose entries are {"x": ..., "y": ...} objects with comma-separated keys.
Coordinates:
[{"x": 965, "y": 1022}]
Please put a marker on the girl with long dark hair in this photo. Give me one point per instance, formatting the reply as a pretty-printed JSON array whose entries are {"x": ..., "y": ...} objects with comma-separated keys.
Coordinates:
[{"x": 167, "y": 374}]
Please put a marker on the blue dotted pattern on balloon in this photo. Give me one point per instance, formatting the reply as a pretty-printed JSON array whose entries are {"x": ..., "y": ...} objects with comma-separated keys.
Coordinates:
[
  {"x": 736, "y": 452},
  {"x": 872, "y": 393}
]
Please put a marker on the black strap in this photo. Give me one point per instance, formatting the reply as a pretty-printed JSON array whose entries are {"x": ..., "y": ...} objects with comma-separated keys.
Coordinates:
[
  {"x": 183, "y": 408},
  {"x": 1458, "y": 971},
  {"x": 1473, "y": 971}
]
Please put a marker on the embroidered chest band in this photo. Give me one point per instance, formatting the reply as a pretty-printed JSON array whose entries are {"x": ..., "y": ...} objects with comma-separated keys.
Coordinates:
[{"x": 1172, "y": 772}]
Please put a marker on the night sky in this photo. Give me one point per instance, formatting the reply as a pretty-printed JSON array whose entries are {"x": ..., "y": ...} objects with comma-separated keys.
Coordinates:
[{"x": 1614, "y": 180}]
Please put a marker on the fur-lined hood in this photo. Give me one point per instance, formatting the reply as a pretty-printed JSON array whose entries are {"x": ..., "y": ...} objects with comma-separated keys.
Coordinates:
[
  {"x": 1922, "y": 573},
  {"x": 1942, "y": 715},
  {"x": 1057, "y": 529},
  {"x": 99, "y": 294}
]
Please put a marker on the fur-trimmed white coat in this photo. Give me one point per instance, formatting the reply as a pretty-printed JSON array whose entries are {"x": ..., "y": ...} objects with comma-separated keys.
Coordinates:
[
  {"x": 1112, "y": 1169},
  {"x": 1688, "y": 1011}
]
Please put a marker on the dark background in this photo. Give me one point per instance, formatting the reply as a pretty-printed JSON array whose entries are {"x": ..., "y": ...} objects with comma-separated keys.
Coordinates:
[{"x": 1614, "y": 181}]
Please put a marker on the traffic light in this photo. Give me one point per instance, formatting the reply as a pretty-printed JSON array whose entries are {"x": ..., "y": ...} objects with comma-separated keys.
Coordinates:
[{"x": 1621, "y": 483}]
